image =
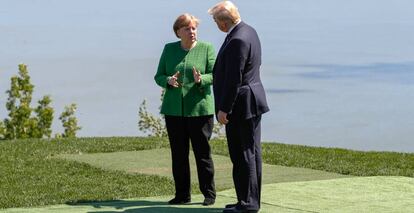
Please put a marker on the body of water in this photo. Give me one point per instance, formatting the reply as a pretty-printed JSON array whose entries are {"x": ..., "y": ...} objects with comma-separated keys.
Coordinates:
[{"x": 337, "y": 73}]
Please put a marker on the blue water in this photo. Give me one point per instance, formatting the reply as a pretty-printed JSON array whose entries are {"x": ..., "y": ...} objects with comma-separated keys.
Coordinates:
[{"x": 337, "y": 73}]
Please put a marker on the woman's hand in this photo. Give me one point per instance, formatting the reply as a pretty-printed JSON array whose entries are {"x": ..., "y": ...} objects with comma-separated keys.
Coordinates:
[
  {"x": 173, "y": 80},
  {"x": 197, "y": 75}
]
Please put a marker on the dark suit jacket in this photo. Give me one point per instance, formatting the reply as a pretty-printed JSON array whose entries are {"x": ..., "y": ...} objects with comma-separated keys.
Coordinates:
[{"x": 237, "y": 87}]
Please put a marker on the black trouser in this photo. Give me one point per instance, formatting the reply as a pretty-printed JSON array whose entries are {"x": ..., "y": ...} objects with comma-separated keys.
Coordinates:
[
  {"x": 198, "y": 130},
  {"x": 243, "y": 137}
]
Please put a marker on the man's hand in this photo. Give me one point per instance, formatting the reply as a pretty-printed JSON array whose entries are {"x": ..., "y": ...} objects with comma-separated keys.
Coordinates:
[
  {"x": 222, "y": 117},
  {"x": 173, "y": 80},
  {"x": 197, "y": 75}
]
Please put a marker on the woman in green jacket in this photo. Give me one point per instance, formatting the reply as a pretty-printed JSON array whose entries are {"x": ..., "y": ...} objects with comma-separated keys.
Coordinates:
[{"x": 185, "y": 73}]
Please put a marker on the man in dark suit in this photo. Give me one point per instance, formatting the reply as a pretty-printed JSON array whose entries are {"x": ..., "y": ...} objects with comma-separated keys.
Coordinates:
[{"x": 240, "y": 101}]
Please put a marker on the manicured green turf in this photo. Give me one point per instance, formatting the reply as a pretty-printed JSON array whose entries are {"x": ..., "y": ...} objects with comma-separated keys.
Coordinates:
[
  {"x": 358, "y": 194},
  {"x": 158, "y": 162},
  {"x": 341, "y": 161},
  {"x": 32, "y": 175}
]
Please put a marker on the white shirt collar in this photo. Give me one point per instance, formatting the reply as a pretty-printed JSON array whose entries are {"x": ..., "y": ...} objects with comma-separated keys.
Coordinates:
[{"x": 231, "y": 28}]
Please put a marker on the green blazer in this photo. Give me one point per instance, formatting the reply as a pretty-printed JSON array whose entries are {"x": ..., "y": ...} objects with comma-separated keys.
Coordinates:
[{"x": 190, "y": 99}]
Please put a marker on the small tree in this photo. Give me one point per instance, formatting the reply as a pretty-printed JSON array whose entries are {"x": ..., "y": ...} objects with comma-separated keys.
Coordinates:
[
  {"x": 2, "y": 130},
  {"x": 20, "y": 123},
  {"x": 18, "y": 104},
  {"x": 150, "y": 124},
  {"x": 44, "y": 117},
  {"x": 69, "y": 122}
]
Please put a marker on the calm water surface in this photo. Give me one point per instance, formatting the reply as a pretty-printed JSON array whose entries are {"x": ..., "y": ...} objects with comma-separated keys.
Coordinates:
[{"x": 337, "y": 73}]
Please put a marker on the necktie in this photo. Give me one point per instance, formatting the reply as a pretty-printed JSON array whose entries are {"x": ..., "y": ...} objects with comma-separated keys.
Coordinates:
[{"x": 226, "y": 40}]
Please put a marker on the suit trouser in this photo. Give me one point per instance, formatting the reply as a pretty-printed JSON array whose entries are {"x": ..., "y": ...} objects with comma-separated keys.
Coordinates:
[
  {"x": 243, "y": 137},
  {"x": 198, "y": 130}
]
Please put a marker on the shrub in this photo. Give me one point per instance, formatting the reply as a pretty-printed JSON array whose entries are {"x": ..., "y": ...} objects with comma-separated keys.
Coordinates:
[
  {"x": 69, "y": 121},
  {"x": 150, "y": 124},
  {"x": 20, "y": 122}
]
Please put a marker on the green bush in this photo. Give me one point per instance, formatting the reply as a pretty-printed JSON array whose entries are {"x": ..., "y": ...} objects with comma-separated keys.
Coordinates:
[
  {"x": 21, "y": 123},
  {"x": 69, "y": 122}
]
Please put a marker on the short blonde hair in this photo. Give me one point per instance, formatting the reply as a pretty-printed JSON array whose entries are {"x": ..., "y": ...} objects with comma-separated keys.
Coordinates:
[
  {"x": 183, "y": 21},
  {"x": 225, "y": 11}
]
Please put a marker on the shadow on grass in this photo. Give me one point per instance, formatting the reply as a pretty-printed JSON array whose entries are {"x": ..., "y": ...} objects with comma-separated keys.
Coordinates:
[{"x": 144, "y": 206}]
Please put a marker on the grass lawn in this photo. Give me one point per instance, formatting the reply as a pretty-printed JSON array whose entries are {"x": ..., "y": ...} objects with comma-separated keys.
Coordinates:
[
  {"x": 355, "y": 194},
  {"x": 158, "y": 162},
  {"x": 32, "y": 175}
]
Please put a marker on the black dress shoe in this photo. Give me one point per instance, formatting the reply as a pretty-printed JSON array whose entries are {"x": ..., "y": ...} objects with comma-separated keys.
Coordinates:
[
  {"x": 208, "y": 201},
  {"x": 230, "y": 205},
  {"x": 179, "y": 201},
  {"x": 236, "y": 210}
]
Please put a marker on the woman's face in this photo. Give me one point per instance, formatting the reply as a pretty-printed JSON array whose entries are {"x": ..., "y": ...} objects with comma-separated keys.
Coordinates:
[{"x": 188, "y": 33}]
